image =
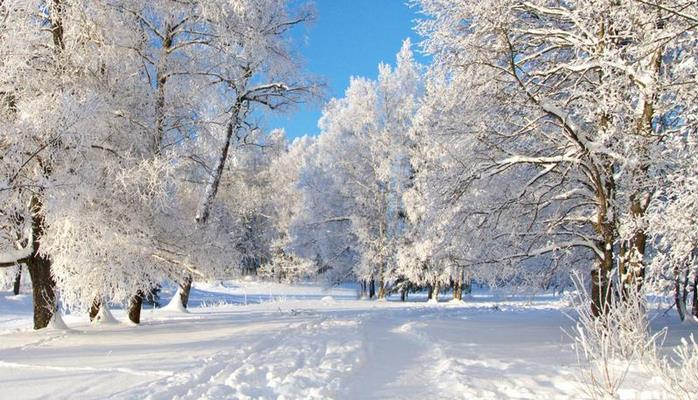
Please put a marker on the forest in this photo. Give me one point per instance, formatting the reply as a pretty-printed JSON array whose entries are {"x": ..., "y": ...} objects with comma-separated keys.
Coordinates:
[{"x": 545, "y": 146}]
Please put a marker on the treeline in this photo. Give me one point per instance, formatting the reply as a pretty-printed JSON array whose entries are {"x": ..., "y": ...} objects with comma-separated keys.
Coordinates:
[{"x": 543, "y": 138}]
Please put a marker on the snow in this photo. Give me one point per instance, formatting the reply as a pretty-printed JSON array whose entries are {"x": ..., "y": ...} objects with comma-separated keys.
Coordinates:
[
  {"x": 57, "y": 323},
  {"x": 252, "y": 340},
  {"x": 8, "y": 256},
  {"x": 175, "y": 304},
  {"x": 104, "y": 316},
  {"x": 12, "y": 255}
]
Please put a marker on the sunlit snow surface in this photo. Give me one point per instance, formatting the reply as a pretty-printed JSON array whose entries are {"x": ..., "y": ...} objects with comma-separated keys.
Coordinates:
[{"x": 248, "y": 340}]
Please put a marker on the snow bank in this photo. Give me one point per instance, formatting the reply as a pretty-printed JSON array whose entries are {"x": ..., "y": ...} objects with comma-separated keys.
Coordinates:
[{"x": 175, "y": 304}]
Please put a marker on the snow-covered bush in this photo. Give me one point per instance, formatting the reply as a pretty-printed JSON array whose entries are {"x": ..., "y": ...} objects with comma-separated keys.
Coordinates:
[
  {"x": 679, "y": 371},
  {"x": 610, "y": 344}
]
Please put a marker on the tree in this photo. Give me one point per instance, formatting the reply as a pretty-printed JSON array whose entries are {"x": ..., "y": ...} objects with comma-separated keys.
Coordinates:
[
  {"x": 365, "y": 142},
  {"x": 321, "y": 230},
  {"x": 41, "y": 109}
]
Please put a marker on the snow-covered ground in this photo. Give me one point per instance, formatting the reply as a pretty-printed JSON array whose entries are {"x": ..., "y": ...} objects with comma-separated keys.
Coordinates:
[{"x": 248, "y": 340}]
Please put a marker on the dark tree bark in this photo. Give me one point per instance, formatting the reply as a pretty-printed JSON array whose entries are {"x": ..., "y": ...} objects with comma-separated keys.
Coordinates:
[
  {"x": 684, "y": 298},
  {"x": 694, "y": 309},
  {"x": 457, "y": 290},
  {"x": 632, "y": 265},
  {"x": 681, "y": 283},
  {"x": 458, "y": 285},
  {"x": 600, "y": 289},
  {"x": 678, "y": 299},
  {"x": 39, "y": 266},
  {"x": 17, "y": 282},
  {"x": 43, "y": 288},
  {"x": 363, "y": 287},
  {"x": 185, "y": 287},
  {"x": 601, "y": 286},
  {"x": 94, "y": 308},
  {"x": 134, "y": 308},
  {"x": 371, "y": 288}
]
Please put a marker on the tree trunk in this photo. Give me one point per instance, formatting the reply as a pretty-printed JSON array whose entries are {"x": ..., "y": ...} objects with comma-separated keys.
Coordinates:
[
  {"x": 457, "y": 290},
  {"x": 435, "y": 292},
  {"x": 134, "y": 308},
  {"x": 430, "y": 291},
  {"x": 363, "y": 289},
  {"x": 601, "y": 282},
  {"x": 43, "y": 288},
  {"x": 185, "y": 287},
  {"x": 694, "y": 311},
  {"x": 94, "y": 308},
  {"x": 39, "y": 266},
  {"x": 381, "y": 289},
  {"x": 467, "y": 286},
  {"x": 17, "y": 282},
  {"x": 204, "y": 209},
  {"x": 684, "y": 299},
  {"x": 458, "y": 286},
  {"x": 632, "y": 265},
  {"x": 371, "y": 288},
  {"x": 678, "y": 298}
]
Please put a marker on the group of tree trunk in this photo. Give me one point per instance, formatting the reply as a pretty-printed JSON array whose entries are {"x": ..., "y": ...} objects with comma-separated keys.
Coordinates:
[{"x": 458, "y": 287}]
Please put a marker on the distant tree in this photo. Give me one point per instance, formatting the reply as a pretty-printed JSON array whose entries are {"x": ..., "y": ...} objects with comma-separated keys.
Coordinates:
[{"x": 365, "y": 148}]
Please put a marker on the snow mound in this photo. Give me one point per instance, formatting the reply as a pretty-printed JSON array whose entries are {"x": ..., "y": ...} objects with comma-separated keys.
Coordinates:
[
  {"x": 409, "y": 327},
  {"x": 57, "y": 322},
  {"x": 175, "y": 305},
  {"x": 327, "y": 299},
  {"x": 104, "y": 316}
]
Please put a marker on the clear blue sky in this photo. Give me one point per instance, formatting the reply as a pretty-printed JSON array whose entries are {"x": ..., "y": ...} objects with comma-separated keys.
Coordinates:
[{"x": 349, "y": 38}]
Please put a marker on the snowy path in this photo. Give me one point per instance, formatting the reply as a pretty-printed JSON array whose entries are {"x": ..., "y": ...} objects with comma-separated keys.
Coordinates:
[
  {"x": 299, "y": 346},
  {"x": 464, "y": 353}
]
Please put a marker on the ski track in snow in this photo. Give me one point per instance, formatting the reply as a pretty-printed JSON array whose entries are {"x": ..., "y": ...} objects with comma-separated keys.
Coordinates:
[
  {"x": 296, "y": 363},
  {"x": 87, "y": 369}
]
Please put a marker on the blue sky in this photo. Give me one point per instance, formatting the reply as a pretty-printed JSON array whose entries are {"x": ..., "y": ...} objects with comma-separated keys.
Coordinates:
[{"x": 349, "y": 38}]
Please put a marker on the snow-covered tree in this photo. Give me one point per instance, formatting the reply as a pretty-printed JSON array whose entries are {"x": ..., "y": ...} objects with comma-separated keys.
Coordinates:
[
  {"x": 571, "y": 95},
  {"x": 321, "y": 231},
  {"x": 364, "y": 146},
  {"x": 62, "y": 144},
  {"x": 117, "y": 122}
]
